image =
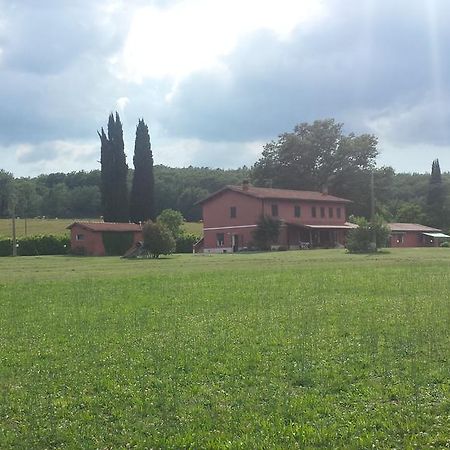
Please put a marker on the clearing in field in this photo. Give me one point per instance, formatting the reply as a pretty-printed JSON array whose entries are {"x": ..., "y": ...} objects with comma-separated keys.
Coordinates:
[{"x": 314, "y": 349}]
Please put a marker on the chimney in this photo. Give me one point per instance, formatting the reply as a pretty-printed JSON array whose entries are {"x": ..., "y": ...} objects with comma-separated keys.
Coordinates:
[
  {"x": 245, "y": 185},
  {"x": 325, "y": 189}
]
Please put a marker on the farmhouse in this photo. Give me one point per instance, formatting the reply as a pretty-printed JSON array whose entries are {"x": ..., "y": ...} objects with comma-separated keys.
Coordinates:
[
  {"x": 94, "y": 238},
  {"x": 308, "y": 218},
  {"x": 415, "y": 235}
]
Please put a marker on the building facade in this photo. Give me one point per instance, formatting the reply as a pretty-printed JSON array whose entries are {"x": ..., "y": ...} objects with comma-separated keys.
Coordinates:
[
  {"x": 308, "y": 218},
  {"x": 415, "y": 235},
  {"x": 88, "y": 238}
]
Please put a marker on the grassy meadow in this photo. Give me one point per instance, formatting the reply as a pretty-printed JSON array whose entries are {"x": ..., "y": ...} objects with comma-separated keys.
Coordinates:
[
  {"x": 312, "y": 349},
  {"x": 32, "y": 227}
]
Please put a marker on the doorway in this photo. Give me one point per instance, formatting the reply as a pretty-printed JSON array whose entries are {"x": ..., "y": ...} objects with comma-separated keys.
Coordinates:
[{"x": 235, "y": 242}]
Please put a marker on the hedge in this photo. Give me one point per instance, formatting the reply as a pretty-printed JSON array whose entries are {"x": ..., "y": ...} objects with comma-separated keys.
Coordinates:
[{"x": 36, "y": 245}]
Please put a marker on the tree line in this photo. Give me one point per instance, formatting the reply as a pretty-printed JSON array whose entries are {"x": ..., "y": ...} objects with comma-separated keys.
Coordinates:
[{"x": 317, "y": 156}]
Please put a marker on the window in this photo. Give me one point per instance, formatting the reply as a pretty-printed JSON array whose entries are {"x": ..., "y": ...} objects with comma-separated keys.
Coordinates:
[
  {"x": 79, "y": 237},
  {"x": 322, "y": 212},
  {"x": 338, "y": 213},
  {"x": 313, "y": 211},
  {"x": 233, "y": 212},
  {"x": 330, "y": 212},
  {"x": 297, "y": 211},
  {"x": 220, "y": 237},
  {"x": 274, "y": 210}
]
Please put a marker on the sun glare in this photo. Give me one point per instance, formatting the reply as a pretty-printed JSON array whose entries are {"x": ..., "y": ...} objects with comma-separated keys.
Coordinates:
[{"x": 193, "y": 35}]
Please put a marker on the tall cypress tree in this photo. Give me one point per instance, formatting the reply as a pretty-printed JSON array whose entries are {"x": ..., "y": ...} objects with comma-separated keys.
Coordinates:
[
  {"x": 114, "y": 172},
  {"x": 436, "y": 197},
  {"x": 142, "y": 201}
]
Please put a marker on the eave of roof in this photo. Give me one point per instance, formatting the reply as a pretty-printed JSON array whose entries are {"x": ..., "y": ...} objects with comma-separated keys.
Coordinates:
[
  {"x": 400, "y": 226},
  {"x": 107, "y": 226}
]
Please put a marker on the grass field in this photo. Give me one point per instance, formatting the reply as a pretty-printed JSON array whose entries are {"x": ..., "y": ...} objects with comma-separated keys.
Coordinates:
[
  {"x": 32, "y": 227},
  {"x": 313, "y": 349}
]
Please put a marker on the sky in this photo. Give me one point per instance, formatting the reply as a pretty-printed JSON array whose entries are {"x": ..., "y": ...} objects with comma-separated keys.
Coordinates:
[{"x": 215, "y": 80}]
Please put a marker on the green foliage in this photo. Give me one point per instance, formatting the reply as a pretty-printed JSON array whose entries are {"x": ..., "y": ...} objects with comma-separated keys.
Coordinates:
[
  {"x": 5, "y": 246},
  {"x": 181, "y": 188},
  {"x": 266, "y": 233},
  {"x": 436, "y": 198},
  {"x": 185, "y": 242},
  {"x": 36, "y": 245},
  {"x": 114, "y": 172},
  {"x": 173, "y": 220},
  {"x": 116, "y": 244},
  {"x": 360, "y": 240},
  {"x": 6, "y": 190},
  {"x": 445, "y": 244},
  {"x": 142, "y": 190},
  {"x": 158, "y": 240},
  {"x": 411, "y": 213},
  {"x": 318, "y": 155}
]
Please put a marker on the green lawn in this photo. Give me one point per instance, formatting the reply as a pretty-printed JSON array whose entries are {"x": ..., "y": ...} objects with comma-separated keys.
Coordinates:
[
  {"x": 312, "y": 349},
  {"x": 31, "y": 227}
]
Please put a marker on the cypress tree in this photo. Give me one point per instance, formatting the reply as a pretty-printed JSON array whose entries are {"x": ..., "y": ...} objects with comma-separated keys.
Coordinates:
[
  {"x": 141, "y": 201},
  {"x": 436, "y": 196},
  {"x": 114, "y": 171}
]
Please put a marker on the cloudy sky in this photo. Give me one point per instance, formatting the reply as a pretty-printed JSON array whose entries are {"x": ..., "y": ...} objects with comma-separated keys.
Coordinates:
[{"x": 216, "y": 79}]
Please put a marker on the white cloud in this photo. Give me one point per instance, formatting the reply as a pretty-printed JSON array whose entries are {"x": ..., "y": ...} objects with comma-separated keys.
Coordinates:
[
  {"x": 121, "y": 103},
  {"x": 51, "y": 156},
  {"x": 193, "y": 34}
]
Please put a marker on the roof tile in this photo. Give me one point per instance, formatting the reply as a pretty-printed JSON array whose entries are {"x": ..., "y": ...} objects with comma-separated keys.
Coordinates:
[
  {"x": 279, "y": 194},
  {"x": 107, "y": 226}
]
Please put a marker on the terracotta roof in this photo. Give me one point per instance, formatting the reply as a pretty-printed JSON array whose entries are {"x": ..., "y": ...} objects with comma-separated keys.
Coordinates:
[
  {"x": 279, "y": 194},
  {"x": 107, "y": 226},
  {"x": 399, "y": 226}
]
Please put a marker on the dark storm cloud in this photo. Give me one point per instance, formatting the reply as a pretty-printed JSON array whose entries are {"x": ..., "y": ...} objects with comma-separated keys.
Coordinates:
[
  {"x": 360, "y": 60},
  {"x": 378, "y": 66},
  {"x": 54, "y": 77}
]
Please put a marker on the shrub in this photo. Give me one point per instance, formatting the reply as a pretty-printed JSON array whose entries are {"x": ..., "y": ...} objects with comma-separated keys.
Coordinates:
[
  {"x": 360, "y": 239},
  {"x": 266, "y": 232},
  {"x": 5, "y": 247},
  {"x": 185, "y": 243},
  {"x": 172, "y": 220},
  {"x": 36, "y": 245},
  {"x": 445, "y": 244},
  {"x": 158, "y": 240},
  {"x": 116, "y": 244}
]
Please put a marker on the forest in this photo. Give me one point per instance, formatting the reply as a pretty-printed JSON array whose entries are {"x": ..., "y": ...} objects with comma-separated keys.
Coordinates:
[
  {"x": 400, "y": 196},
  {"x": 312, "y": 157}
]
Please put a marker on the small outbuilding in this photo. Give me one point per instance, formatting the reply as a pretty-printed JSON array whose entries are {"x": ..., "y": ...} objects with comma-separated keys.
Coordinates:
[
  {"x": 103, "y": 238},
  {"x": 415, "y": 235}
]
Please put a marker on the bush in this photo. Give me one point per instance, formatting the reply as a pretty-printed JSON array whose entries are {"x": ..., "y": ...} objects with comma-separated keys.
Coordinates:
[
  {"x": 36, "y": 245},
  {"x": 185, "y": 243},
  {"x": 158, "y": 240},
  {"x": 359, "y": 239},
  {"x": 445, "y": 244},
  {"x": 173, "y": 220},
  {"x": 116, "y": 244}
]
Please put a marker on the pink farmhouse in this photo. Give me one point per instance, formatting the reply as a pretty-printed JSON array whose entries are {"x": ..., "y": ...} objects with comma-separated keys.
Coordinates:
[
  {"x": 86, "y": 238},
  {"x": 230, "y": 216}
]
